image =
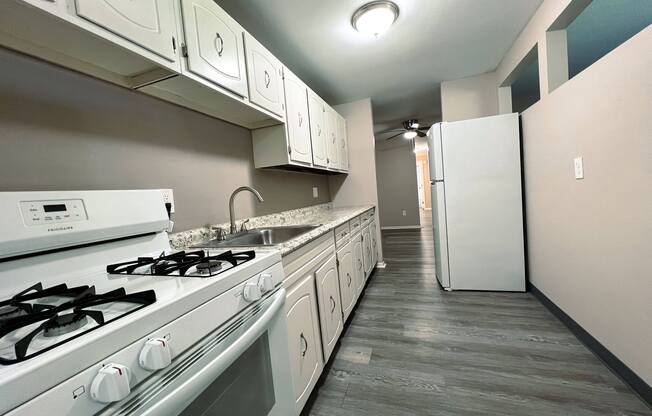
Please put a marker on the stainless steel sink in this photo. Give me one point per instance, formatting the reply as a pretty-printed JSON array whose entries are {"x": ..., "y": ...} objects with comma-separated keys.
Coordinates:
[{"x": 261, "y": 236}]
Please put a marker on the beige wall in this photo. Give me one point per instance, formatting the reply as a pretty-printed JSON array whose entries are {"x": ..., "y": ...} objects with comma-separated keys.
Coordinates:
[
  {"x": 469, "y": 97},
  {"x": 397, "y": 186},
  {"x": 62, "y": 130},
  {"x": 359, "y": 187},
  {"x": 590, "y": 240}
]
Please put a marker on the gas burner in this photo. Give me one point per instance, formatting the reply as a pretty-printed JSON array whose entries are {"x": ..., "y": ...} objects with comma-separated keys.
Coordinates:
[
  {"x": 209, "y": 267},
  {"x": 10, "y": 311},
  {"x": 64, "y": 324},
  {"x": 197, "y": 263}
]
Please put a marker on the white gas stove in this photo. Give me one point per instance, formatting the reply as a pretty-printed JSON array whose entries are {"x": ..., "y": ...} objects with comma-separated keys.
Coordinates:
[{"x": 99, "y": 315}]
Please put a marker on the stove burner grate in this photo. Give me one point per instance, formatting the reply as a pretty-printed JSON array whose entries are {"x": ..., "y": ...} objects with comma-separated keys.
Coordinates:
[{"x": 64, "y": 324}]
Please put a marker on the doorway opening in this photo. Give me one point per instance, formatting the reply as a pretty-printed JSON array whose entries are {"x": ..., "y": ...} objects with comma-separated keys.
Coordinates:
[{"x": 423, "y": 183}]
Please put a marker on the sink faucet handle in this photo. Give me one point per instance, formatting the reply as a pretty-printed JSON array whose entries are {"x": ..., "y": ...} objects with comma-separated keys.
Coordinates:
[
  {"x": 243, "y": 226},
  {"x": 220, "y": 234}
]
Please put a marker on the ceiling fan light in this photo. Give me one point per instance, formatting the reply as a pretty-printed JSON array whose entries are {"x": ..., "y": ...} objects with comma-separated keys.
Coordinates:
[
  {"x": 375, "y": 18},
  {"x": 410, "y": 134}
]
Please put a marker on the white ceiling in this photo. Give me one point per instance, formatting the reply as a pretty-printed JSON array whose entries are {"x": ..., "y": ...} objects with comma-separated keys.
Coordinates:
[{"x": 432, "y": 41}]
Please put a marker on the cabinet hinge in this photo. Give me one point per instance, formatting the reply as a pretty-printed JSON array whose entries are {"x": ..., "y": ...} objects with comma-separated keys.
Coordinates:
[
  {"x": 289, "y": 149},
  {"x": 184, "y": 50},
  {"x": 174, "y": 44},
  {"x": 337, "y": 262}
]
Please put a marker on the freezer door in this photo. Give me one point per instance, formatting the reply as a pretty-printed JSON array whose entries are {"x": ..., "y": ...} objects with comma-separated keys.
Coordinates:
[
  {"x": 483, "y": 204},
  {"x": 440, "y": 234},
  {"x": 435, "y": 156}
]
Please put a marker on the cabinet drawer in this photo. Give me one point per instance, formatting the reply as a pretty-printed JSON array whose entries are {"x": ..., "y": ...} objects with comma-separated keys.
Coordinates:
[
  {"x": 342, "y": 234},
  {"x": 355, "y": 225},
  {"x": 365, "y": 217}
]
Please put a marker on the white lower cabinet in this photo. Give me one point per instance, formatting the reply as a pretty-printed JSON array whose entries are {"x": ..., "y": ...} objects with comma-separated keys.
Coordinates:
[
  {"x": 358, "y": 264},
  {"x": 373, "y": 234},
  {"x": 304, "y": 340},
  {"x": 366, "y": 251},
  {"x": 330, "y": 309},
  {"x": 348, "y": 283}
]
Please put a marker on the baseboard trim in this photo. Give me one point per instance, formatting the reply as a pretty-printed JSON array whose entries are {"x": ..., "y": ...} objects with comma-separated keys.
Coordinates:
[
  {"x": 610, "y": 360},
  {"x": 401, "y": 227}
]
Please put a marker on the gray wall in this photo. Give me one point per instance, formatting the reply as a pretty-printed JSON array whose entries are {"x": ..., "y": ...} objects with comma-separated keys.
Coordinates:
[
  {"x": 359, "y": 186},
  {"x": 590, "y": 240},
  {"x": 62, "y": 130},
  {"x": 397, "y": 186}
]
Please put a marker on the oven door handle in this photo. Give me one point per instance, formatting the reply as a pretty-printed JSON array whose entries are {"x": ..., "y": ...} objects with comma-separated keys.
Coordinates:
[{"x": 178, "y": 399}]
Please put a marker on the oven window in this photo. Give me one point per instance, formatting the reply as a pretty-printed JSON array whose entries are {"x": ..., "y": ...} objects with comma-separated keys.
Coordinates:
[{"x": 246, "y": 388}]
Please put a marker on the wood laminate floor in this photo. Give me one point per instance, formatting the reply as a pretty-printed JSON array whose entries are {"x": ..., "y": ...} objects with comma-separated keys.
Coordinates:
[{"x": 413, "y": 349}]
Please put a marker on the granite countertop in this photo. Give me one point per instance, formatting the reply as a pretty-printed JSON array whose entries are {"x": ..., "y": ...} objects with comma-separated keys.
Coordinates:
[{"x": 323, "y": 214}]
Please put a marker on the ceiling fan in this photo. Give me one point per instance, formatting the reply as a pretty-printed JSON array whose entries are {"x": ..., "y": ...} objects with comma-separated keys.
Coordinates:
[{"x": 410, "y": 130}]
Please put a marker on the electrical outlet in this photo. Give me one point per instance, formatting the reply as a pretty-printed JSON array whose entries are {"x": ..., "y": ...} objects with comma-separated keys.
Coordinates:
[
  {"x": 315, "y": 192},
  {"x": 404, "y": 213},
  {"x": 579, "y": 167},
  {"x": 168, "y": 197}
]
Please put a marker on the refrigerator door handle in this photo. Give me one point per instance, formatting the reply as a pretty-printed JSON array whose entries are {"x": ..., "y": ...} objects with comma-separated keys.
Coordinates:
[{"x": 432, "y": 182}]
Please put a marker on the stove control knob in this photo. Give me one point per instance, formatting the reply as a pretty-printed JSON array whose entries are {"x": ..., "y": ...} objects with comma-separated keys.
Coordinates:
[
  {"x": 251, "y": 292},
  {"x": 111, "y": 384},
  {"x": 266, "y": 282},
  {"x": 155, "y": 354}
]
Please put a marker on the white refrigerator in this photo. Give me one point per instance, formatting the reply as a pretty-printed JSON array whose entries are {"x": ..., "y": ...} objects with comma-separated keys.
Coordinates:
[{"x": 475, "y": 178}]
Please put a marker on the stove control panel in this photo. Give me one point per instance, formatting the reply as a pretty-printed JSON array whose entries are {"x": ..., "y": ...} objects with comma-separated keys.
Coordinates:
[{"x": 53, "y": 212}]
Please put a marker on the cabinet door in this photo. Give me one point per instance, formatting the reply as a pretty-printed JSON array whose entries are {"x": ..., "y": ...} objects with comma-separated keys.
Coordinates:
[
  {"x": 348, "y": 284},
  {"x": 358, "y": 264},
  {"x": 374, "y": 242},
  {"x": 215, "y": 47},
  {"x": 265, "y": 76},
  {"x": 297, "y": 122},
  {"x": 303, "y": 335},
  {"x": 366, "y": 250},
  {"x": 344, "y": 144},
  {"x": 332, "y": 149},
  {"x": 148, "y": 23},
  {"x": 330, "y": 310},
  {"x": 316, "y": 107}
]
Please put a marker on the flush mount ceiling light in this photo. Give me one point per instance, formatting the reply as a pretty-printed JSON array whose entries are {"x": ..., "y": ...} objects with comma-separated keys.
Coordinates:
[
  {"x": 375, "y": 18},
  {"x": 410, "y": 134}
]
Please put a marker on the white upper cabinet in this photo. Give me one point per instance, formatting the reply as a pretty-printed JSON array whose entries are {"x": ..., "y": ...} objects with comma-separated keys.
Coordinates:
[
  {"x": 318, "y": 132},
  {"x": 343, "y": 144},
  {"x": 215, "y": 46},
  {"x": 297, "y": 120},
  {"x": 265, "y": 74},
  {"x": 148, "y": 23},
  {"x": 332, "y": 149}
]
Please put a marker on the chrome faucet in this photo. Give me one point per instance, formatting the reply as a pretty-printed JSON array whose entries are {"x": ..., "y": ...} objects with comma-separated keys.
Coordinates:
[{"x": 234, "y": 229}]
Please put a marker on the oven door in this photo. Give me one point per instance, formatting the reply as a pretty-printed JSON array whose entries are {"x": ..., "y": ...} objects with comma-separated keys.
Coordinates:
[{"x": 240, "y": 369}]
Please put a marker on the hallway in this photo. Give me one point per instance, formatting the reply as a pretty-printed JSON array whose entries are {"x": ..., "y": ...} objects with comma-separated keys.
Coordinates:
[{"x": 412, "y": 349}]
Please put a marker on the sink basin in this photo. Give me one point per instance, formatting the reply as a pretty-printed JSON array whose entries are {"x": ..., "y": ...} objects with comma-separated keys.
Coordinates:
[{"x": 267, "y": 236}]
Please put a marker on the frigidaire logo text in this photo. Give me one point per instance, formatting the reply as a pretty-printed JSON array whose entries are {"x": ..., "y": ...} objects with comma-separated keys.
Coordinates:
[{"x": 60, "y": 228}]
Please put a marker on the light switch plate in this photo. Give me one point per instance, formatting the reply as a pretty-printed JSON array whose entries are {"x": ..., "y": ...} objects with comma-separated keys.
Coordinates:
[
  {"x": 404, "y": 213},
  {"x": 315, "y": 192},
  {"x": 579, "y": 167}
]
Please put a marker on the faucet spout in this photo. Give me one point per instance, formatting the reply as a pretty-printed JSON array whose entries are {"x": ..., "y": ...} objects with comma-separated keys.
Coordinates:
[{"x": 234, "y": 229}]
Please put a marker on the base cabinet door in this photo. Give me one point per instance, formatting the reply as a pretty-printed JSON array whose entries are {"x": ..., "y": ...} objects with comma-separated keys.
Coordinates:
[
  {"x": 265, "y": 75},
  {"x": 366, "y": 251},
  {"x": 358, "y": 264},
  {"x": 150, "y": 24},
  {"x": 304, "y": 341},
  {"x": 330, "y": 309},
  {"x": 348, "y": 284},
  {"x": 373, "y": 234},
  {"x": 214, "y": 45}
]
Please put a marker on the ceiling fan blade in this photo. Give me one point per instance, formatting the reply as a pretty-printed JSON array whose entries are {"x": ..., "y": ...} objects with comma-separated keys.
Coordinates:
[
  {"x": 393, "y": 137},
  {"x": 390, "y": 131},
  {"x": 421, "y": 134}
]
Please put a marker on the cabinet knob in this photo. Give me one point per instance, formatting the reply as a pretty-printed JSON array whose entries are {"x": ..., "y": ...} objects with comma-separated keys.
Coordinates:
[
  {"x": 219, "y": 44},
  {"x": 333, "y": 304},
  {"x": 304, "y": 345}
]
